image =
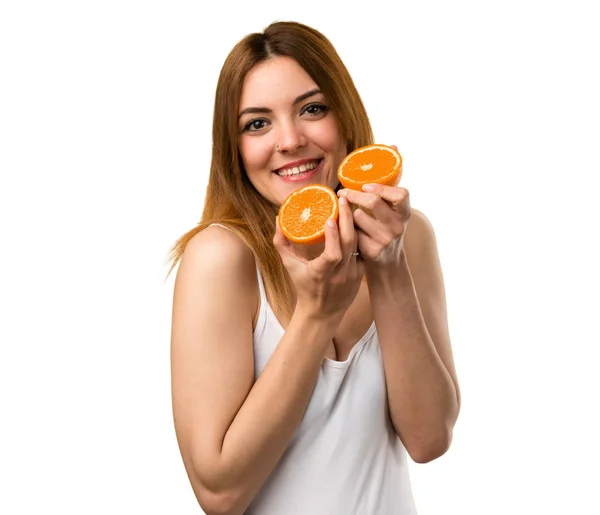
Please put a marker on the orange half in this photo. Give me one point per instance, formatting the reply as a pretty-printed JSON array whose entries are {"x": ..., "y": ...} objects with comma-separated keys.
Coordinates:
[
  {"x": 303, "y": 214},
  {"x": 379, "y": 164}
]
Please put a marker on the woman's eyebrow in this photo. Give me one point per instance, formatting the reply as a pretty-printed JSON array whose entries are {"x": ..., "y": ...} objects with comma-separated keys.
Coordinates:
[
  {"x": 266, "y": 110},
  {"x": 306, "y": 95}
]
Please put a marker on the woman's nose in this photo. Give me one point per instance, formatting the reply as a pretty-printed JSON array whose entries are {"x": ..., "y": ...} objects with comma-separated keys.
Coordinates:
[{"x": 290, "y": 138}]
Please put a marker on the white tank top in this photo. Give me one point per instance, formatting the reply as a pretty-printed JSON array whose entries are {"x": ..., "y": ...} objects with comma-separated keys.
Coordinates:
[{"x": 345, "y": 457}]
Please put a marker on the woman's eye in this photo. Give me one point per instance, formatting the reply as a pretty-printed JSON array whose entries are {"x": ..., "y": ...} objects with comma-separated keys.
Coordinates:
[
  {"x": 315, "y": 109},
  {"x": 255, "y": 125}
]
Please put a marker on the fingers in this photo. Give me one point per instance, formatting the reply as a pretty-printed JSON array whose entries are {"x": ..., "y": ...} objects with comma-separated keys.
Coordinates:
[
  {"x": 371, "y": 201},
  {"x": 373, "y": 235},
  {"x": 396, "y": 197},
  {"x": 348, "y": 241},
  {"x": 380, "y": 200},
  {"x": 332, "y": 254},
  {"x": 367, "y": 224},
  {"x": 369, "y": 247}
]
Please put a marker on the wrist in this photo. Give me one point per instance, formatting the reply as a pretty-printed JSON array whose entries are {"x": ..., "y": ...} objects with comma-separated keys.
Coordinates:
[
  {"x": 318, "y": 316},
  {"x": 314, "y": 329},
  {"x": 317, "y": 321},
  {"x": 384, "y": 273}
]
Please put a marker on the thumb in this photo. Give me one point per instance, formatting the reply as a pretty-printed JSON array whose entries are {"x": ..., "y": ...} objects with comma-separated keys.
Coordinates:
[
  {"x": 285, "y": 248},
  {"x": 282, "y": 244},
  {"x": 279, "y": 239}
]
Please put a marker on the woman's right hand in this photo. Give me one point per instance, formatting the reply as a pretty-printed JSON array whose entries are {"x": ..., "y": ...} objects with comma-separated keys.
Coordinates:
[{"x": 327, "y": 285}]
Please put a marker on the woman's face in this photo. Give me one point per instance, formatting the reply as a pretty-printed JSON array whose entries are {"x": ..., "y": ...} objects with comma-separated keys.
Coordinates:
[{"x": 281, "y": 105}]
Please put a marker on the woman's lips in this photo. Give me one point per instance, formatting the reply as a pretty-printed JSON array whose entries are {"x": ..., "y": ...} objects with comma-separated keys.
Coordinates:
[{"x": 302, "y": 176}]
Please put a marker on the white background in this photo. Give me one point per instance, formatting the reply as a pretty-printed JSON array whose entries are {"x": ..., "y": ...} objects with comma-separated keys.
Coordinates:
[{"x": 105, "y": 119}]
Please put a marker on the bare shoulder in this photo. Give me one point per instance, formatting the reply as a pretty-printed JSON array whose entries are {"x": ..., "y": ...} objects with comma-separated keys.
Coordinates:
[
  {"x": 420, "y": 234},
  {"x": 217, "y": 258},
  {"x": 215, "y": 280},
  {"x": 216, "y": 249},
  {"x": 217, "y": 270},
  {"x": 420, "y": 246}
]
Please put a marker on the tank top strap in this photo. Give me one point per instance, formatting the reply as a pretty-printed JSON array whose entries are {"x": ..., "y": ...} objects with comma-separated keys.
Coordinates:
[{"x": 261, "y": 285}]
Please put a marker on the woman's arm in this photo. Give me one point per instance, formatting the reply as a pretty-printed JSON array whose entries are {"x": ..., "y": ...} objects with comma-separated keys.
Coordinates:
[
  {"x": 409, "y": 308},
  {"x": 231, "y": 430}
]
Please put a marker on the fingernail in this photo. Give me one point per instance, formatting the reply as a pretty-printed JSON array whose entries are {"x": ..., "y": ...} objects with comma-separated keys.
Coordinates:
[
  {"x": 342, "y": 193},
  {"x": 330, "y": 222},
  {"x": 343, "y": 201},
  {"x": 369, "y": 187}
]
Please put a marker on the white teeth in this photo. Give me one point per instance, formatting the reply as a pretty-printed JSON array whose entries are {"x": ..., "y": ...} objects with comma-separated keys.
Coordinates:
[{"x": 286, "y": 172}]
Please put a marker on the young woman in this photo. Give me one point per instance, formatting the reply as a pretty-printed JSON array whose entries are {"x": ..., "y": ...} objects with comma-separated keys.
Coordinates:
[{"x": 303, "y": 376}]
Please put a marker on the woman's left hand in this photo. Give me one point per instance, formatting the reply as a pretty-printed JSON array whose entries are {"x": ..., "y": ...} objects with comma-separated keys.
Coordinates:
[{"x": 380, "y": 236}]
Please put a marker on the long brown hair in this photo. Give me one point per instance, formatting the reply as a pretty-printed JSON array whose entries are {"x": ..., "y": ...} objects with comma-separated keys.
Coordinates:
[{"x": 231, "y": 199}]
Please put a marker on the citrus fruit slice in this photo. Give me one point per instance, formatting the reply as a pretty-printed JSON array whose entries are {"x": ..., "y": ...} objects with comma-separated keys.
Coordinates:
[
  {"x": 303, "y": 214},
  {"x": 379, "y": 164}
]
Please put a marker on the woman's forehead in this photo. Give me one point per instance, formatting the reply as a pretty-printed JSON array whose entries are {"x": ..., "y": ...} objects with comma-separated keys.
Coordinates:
[{"x": 274, "y": 81}]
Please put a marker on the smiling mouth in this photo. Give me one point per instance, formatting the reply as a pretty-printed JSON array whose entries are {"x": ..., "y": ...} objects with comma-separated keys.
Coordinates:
[{"x": 297, "y": 170}]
